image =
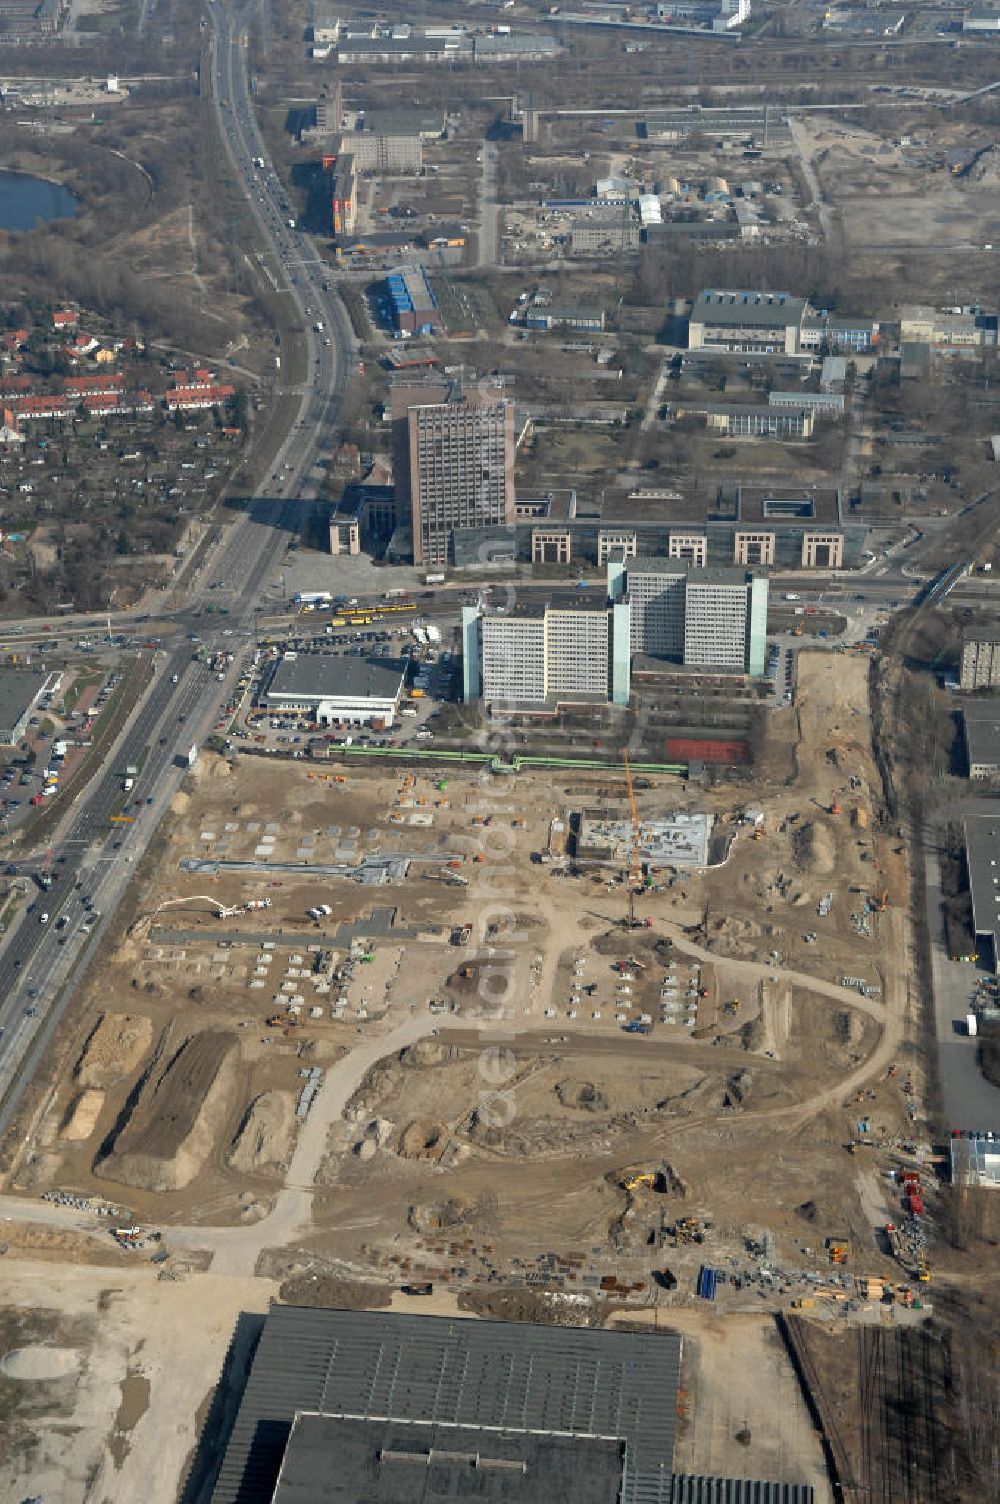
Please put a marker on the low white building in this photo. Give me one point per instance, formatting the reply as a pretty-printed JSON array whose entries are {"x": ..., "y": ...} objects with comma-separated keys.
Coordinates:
[{"x": 334, "y": 687}]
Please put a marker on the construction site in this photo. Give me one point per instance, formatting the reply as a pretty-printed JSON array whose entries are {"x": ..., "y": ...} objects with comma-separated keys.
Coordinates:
[
  {"x": 662, "y": 1013},
  {"x": 540, "y": 1062}
]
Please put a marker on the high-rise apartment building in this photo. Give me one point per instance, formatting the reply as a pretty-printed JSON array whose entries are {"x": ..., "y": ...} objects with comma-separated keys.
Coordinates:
[
  {"x": 719, "y": 619},
  {"x": 454, "y": 465},
  {"x": 547, "y": 655},
  {"x": 656, "y": 593},
  {"x": 980, "y": 659},
  {"x": 706, "y": 618}
]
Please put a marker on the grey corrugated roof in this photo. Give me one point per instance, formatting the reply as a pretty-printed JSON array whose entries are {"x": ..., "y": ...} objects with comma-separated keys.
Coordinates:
[
  {"x": 982, "y": 854},
  {"x": 334, "y": 675},
  {"x": 981, "y": 723},
  {"x": 765, "y": 309},
  {"x": 689, "y": 1489},
  {"x": 482, "y": 1374},
  {"x": 19, "y": 689},
  {"x": 330, "y": 1460}
]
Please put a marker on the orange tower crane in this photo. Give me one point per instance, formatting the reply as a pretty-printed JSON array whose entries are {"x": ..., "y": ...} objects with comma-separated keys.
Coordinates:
[{"x": 634, "y": 879}]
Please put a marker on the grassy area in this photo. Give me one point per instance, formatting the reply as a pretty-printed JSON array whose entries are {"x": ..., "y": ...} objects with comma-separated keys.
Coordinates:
[
  {"x": 11, "y": 903},
  {"x": 116, "y": 713},
  {"x": 81, "y": 682}
]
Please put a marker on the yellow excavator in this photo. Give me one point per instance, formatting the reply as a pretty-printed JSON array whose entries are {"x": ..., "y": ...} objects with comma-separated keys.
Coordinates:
[{"x": 638, "y": 1180}]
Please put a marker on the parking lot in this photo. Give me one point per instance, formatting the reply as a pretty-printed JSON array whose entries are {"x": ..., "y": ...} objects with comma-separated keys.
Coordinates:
[
  {"x": 432, "y": 680},
  {"x": 780, "y": 672}
]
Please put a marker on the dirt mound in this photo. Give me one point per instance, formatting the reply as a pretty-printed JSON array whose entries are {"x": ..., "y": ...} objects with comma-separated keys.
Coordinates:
[
  {"x": 583, "y": 1095},
  {"x": 847, "y": 1027},
  {"x": 753, "y": 1034},
  {"x": 814, "y": 848},
  {"x": 172, "y": 1120},
  {"x": 114, "y": 1048},
  {"x": 381, "y": 1081},
  {"x": 532, "y": 1306},
  {"x": 441, "y": 1216},
  {"x": 326, "y": 1290},
  {"x": 422, "y": 1139},
  {"x": 180, "y": 803},
  {"x": 263, "y": 1142},
  {"x": 457, "y": 1212},
  {"x": 737, "y": 936},
  {"x": 426, "y": 1053},
  {"x": 81, "y": 1118},
  {"x": 738, "y": 1089},
  {"x": 210, "y": 766},
  {"x": 985, "y": 171}
]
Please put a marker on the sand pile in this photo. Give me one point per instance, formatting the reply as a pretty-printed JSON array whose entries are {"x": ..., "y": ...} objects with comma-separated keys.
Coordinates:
[
  {"x": 176, "y": 1118},
  {"x": 263, "y": 1143},
  {"x": 211, "y": 766},
  {"x": 114, "y": 1048},
  {"x": 422, "y": 1139},
  {"x": 583, "y": 1095},
  {"x": 81, "y": 1119},
  {"x": 814, "y": 848}
]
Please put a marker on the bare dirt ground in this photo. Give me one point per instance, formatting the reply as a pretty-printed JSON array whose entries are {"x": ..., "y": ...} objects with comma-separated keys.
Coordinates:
[
  {"x": 123, "y": 1423},
  {"x": 887, "y": 199},
  {"x": 477, "y": 1109},
  {"x": 741, "y": 1398}
]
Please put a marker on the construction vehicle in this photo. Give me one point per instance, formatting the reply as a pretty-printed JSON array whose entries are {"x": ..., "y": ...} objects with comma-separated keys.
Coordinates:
[
  {"x": 883, "y": 902},
  {"x": 638, "y": 1180},
  {"x": 629, "y": 964},
  {"x": 732, "y": 1006},
  {"x": 838, "y": 1249},
  {"x": 923, "y": 1271},
  {"x": 835, "y": 808},
  {"x": 283, "y": 1021}
]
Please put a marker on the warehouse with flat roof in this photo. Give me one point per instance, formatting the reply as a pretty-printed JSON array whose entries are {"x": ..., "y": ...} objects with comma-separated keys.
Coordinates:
[
  {"x": 341, "y": 1406},
  {"x": 20, "y": 691},
  {"x": 336, "y": 1460},
  {"x": 508, "y": 1392},
  {"x": 746, "y": 320},
  {"x": 413, "y": 304},
  {"x": 332, "y": 687},
  {"x": 981, "y": 725},
  {"x": 982, "y": 860}
]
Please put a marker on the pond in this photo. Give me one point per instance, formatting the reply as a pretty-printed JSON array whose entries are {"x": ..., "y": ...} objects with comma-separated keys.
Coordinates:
[{"x": 26, "y": 201}]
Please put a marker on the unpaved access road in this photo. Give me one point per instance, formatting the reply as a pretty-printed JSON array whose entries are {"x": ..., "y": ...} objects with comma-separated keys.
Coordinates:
[{"x": 235, "y": 1250}]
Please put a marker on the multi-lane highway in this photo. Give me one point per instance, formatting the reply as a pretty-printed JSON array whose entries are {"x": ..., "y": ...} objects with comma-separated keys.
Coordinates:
[{"x": 40, "y": 963}]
